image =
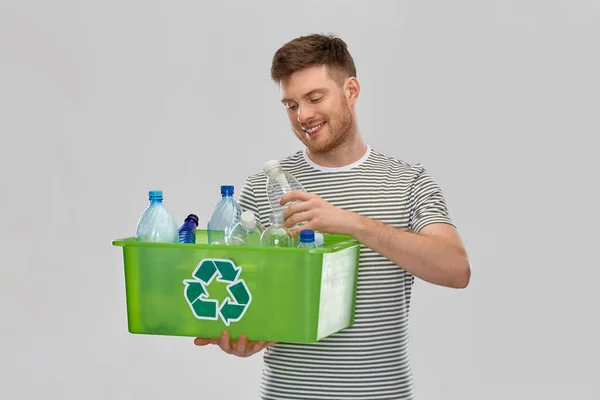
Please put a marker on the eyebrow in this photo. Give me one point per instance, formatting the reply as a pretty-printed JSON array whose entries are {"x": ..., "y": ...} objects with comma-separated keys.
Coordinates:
[{"x": 286, "y": 100}]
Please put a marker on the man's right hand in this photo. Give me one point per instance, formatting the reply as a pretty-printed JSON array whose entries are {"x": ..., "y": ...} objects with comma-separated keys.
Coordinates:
[{"x": 241, "y": 347}]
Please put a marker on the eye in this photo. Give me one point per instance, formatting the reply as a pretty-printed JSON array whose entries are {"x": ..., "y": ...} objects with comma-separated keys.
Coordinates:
[
  {"x": 291, "y": 106},
  {"x": 316, "y": 100}
]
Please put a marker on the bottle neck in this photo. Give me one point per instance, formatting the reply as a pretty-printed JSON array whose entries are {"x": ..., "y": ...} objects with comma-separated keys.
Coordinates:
[{"x": 274, "y": 172}]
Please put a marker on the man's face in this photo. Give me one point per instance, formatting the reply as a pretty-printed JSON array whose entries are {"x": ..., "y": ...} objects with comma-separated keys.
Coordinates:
[{"x": 317, "y": 108}]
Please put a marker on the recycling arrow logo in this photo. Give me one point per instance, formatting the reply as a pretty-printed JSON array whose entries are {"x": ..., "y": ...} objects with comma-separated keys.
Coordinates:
[{"x": 196, "y": 293}]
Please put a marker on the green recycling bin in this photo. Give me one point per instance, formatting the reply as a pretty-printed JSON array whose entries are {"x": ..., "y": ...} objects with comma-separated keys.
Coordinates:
[{"x": 267, "y": 293}]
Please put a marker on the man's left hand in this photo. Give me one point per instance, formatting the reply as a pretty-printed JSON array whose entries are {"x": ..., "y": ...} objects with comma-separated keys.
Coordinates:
[{"x": 318, "y": 214}]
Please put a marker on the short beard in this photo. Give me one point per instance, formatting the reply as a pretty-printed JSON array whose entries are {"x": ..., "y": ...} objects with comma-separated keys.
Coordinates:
[{"x": 341, "y": 134}]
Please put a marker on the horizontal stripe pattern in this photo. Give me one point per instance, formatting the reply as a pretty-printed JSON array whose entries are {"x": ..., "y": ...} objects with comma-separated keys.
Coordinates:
[{"x": 370, "y": 359}]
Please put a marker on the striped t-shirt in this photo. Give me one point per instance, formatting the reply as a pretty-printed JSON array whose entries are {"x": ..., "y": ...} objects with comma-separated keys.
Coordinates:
[{"x": 370, "y": 359}]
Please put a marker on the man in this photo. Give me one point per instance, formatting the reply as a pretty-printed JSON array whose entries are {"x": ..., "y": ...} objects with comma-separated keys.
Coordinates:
[{"x": 395, "y": 210}]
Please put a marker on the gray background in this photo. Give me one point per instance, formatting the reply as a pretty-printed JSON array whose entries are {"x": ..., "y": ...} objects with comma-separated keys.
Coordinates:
[{"x": 102, "y": 101}]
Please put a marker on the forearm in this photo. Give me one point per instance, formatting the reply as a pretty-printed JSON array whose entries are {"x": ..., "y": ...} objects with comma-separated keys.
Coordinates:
[{"x": 427, "y": 257}]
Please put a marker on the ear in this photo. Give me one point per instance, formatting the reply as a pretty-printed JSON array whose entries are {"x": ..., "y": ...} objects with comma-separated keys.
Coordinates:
[{"x": 351, "y": 90}]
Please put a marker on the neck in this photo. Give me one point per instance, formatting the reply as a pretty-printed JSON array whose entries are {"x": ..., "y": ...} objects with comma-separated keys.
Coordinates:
[{"x": 346, "y": 153}]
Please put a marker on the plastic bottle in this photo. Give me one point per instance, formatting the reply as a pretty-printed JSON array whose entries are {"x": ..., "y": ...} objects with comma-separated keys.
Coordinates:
[
  {"x": 279, "y": 182},
  {"x": 307, "y": 239},
  {"x": 276, "y": 235},
  {"x": 156, "y": 223},
  {"x": 187, "y": 231},
  {"x": 319, "y": 239},
  {"x": 224, "y": 217},
  {"x": 247, "y": 232}
]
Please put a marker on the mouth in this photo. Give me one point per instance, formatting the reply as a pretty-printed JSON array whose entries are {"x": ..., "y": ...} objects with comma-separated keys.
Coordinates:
[{"x": 313, "y": 130}]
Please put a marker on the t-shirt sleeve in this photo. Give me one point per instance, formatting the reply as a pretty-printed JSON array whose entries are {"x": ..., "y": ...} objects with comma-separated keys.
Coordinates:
[
  {"x": 428, "y": 204},
  {"x": 247, "y": 198}
]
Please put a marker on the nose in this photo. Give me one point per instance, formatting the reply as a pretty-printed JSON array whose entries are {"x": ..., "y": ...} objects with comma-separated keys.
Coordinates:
[{"x": 305, "y": 113}]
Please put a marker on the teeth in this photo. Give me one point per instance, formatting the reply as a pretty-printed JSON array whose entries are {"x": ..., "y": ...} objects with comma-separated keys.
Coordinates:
[{"x": 311, "y": 130}]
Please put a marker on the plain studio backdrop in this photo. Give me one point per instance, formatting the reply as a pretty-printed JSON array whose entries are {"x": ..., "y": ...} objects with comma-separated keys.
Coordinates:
[{"x": 101, "y": 101}]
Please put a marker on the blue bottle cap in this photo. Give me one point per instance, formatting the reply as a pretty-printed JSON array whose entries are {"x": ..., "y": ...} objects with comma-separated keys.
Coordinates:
[
  {"x": 307, "y": 236},
  {"x": 155, "y": 194},
  {"x": 193, "y": 218},
  {"x": 227, "y": 190}
]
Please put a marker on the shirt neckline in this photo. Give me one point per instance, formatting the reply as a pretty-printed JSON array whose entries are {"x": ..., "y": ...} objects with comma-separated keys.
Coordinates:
[{"x": 336, "y": 169}]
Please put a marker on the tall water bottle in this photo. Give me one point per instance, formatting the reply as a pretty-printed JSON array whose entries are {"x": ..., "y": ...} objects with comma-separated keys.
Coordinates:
[
  {"x": 156, "y": 223},
  {"x": 187, "y": 231},
  {"x": 247, "y": 232},
  {"x": 224, "y": 217},
  {"x": 279, "y": 182},
  {"x": 307, "y": 239},
  {"x": 276, "y": 235}
]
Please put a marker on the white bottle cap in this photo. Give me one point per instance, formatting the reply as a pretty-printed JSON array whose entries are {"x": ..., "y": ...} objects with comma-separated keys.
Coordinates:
[
  {"x": 319, "y": 239},
  {"x": 269, "y": 165},
  {"x": 247, "y": 220}
]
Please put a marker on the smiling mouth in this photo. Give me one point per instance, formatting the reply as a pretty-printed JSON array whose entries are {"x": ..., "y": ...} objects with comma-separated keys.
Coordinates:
[{"x": 314, "y": 130}]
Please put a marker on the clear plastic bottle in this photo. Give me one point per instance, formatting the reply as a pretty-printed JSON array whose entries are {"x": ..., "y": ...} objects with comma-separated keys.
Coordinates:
[
  {"x": 247, "y": 232},
  {"x": 156, "y": 223},
  {"x": 187, "y": 231},
  {"x": 224, "y": 217},
  {"x": 279, "y": 182},
  {"x": 276, "y": 235},
  {"x": 307, "y": 239}
]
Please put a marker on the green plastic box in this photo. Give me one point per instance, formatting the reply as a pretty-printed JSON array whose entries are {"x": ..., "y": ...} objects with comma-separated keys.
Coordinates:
[{"x": 274, "y": 294}]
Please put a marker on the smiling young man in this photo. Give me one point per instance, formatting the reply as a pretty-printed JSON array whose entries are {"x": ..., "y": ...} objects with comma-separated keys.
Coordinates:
[{"x": 396, "y": 210}]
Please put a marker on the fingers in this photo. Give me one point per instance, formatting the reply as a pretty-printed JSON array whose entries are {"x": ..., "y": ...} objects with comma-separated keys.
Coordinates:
[
  {"x": 204, "y": 341},
  {"x": 296, "y": 208},
  {"x": 260, "y": 345},
  {"x": 295, "y": 195},
  {"x": 256, "y": 347},
  {"x": 224, "y": 342},
  {"x": 240, "y": 346},
  {"x": 298, "y": 217}
]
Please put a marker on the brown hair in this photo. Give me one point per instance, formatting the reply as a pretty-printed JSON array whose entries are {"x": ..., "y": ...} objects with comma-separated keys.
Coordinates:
[{"x": 315, "y": 49}]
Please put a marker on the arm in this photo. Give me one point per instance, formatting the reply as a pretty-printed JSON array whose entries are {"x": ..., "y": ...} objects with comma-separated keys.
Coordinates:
[
  {"x": 431, "y": 249},
  {"x": 435, "y": 254}
]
